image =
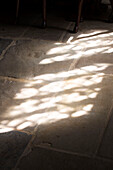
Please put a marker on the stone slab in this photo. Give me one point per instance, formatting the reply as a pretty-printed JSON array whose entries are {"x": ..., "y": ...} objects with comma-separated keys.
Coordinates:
[
  {"x": 4, "y": 43},
  {"x": 46, "y": 159},
  {"x": 12, "y": 145},
  {"x": 76, "y": 123},
  {"x": 106, "y": 147},
  {"x": 11, "y": 31},
  {"x": 13, "y": 115},
  {"x": 23, "y": 60}
]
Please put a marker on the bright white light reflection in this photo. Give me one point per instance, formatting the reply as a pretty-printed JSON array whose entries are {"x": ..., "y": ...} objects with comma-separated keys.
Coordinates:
[
  {"x": 14, "y": 122},
  {"x": 79, "y": 113},
  {"x": 70, "y": 39},
  {"x": 88, "y": 107},
  {"x": 25, "y": 107},
  {"x": 92, "y": 33},
  {"x": 61, "y": 49},
  {"x": 54, "y": 59},
  {"x": 96, "y": 50},
  {"x": 24, "y": 125},
  {"x": 68, "y": 87},
  {"x": 97, "y": 89},
  {"x": 26, "y": 93},
  {"x": 93, "y": 95},
  {"x": 96, "y": 67},
  {"x": 5, "y": 129},
  {"x": 47, "y": 117}
]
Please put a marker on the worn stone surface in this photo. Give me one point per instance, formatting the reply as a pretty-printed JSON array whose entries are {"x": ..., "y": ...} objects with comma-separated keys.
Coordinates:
[
  {"x": 46, "y": 159},
  {"x": 12, "y": 145},
  {"x": 11, "y": 31},
  {"x": 13, "y": 113},
  {"x": 84, "y": 118},
  {"x": 58, "y": 87},
  {"x": 23, "y": 59},
  {"x": 4, "y": 44},
  {"x": 106, "y": 147}
]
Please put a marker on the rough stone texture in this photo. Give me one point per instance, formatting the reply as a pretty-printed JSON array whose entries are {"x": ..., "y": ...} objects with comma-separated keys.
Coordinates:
[
  {"x": 29, "y": 54},
  {"x": 13, "y": 115},
  {"x": 4, "y": 44},
  {"x": 46, "y": 159},
  {"x": 11, "y": 31},
  {"x": 12, "y": 145},
  {"x": 59, "y": 87},
  {"x": 81, "y": 133},
  {"x": 106, "y": 147}
]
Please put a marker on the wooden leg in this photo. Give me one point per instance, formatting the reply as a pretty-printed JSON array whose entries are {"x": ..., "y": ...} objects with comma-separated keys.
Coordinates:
[
  {"x": 111, "y": 2},
  {"x": 110, "y": 18},
  {"x": 17, "y": 10},
  {"x": 44, "y": 24},
  {"x": 80, "y": 3}
]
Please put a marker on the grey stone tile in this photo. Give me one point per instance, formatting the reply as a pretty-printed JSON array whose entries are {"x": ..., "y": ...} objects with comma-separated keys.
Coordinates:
[
  {"x": 106, "y": 147},
  {"x": 11, "y": 31},
  {"x": 76, "y": 123},
  {"x": 4, "y": 43},
  {"x": 13, "y": 115},
  {"x": 46, "y": 159},
  {"x": 23, "y": 60},
  {"x": 12, "y": 145},
  {"x": 100, "y": 63}
]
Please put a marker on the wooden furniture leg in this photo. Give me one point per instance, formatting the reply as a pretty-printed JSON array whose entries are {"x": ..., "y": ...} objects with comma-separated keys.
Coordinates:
[
  {"x": 80, "y": 3},
  {"x": 44, "y": 24},
  {"x": 17, "y": 11}
]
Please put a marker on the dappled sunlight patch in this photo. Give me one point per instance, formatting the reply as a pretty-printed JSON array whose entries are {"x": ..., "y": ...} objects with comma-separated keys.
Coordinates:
[
  {"x": 97, "y": 89},
  {"x": 96, "y": 67},
  {"x": 4, "y": 122},
  {"x": 52, "y": 87},
  {"x": 85, "y": 45},
  {"x": 24, "y": 125},
  {"x": 26, "y": 93},
  {"x": 73, "y": 97},
  {"x": 26, "y": 107},
  {"x": 109, "y": 50},
  {"x": 79, "y": 113},
  {"x": 70, "y": 39},
  {"x": 4, "y": 129},
  {"x": 47, "y": 117},
  {"x": 60, "y": 50},
  {"x": 14, "y": 122},
  {"x": 86, "y": 110},
  {"x": 61, "y": 98},
  {"x": 93, "y": 33},
  {"x": 51, "y": 97},
  {"x": 88, "y": 107},
  {"x": 94, "y": 51},
  {"x": 55, "y": 59},
  {"x": 93, "y": 95}
]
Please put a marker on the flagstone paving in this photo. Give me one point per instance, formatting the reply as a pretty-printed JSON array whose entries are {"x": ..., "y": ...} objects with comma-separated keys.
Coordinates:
[{"x": 56, "y": 96}]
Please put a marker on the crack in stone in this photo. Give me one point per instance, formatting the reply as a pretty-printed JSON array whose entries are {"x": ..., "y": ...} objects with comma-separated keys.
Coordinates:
[
  {"x": 5, "y": 50},
  {"x": 15, "y": 79}
]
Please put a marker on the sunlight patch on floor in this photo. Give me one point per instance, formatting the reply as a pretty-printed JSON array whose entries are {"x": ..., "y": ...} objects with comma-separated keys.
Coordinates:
[
  {"x": 59, "y": 102},
  {"x": 56, "y": 96}
]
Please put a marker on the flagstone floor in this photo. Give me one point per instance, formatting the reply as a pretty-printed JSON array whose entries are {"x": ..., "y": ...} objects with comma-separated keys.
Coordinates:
[{"x": 56, "y": 95}]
